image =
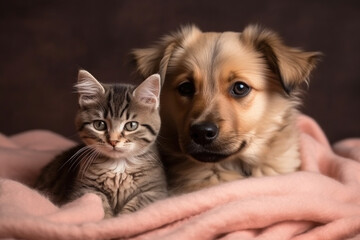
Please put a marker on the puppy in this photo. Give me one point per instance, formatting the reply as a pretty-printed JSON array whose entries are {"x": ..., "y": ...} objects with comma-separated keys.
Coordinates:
[{"x": 228, "y": 104}]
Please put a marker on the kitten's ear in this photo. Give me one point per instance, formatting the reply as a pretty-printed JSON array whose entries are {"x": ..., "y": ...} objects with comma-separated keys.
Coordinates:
[
  {"x": 88, "y": 88},
  {"x": 148, "y": 92}
]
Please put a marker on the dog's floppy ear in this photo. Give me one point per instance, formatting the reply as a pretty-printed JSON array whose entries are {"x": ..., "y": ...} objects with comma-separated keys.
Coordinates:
[
  {"x": 292, "y": 66},
  {"x": 156, "y": 59}
]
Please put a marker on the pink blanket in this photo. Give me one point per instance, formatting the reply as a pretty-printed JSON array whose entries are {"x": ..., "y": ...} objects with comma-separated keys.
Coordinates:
[{"x": 320, "y": 202}]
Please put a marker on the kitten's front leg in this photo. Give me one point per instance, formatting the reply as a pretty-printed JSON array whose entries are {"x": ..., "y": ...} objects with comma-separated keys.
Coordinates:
[
  {"x": 106, "y": 205},
  {"x": 105, "y": 201},
  {"x": 141, "y": 200}
]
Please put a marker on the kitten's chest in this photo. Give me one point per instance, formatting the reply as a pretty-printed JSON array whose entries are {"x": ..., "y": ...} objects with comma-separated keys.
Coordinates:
[
  {"x": 115, "y": 182},
  {"x": 112, "y": 177}
]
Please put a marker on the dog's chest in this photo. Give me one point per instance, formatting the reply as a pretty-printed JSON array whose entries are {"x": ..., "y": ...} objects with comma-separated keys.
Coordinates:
[{"x": 188, "y": 176}]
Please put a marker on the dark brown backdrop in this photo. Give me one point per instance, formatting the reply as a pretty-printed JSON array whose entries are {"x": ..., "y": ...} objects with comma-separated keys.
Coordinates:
[{"x": 44, "y": 43}]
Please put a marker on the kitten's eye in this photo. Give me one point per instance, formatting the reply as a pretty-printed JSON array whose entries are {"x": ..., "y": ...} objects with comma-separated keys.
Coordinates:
[
  {"x": 99, "y": 125},
  {"x": 240, "y": 89},
  {"x": 186, "y": 89},
  {"x": 131, "y": 126}
]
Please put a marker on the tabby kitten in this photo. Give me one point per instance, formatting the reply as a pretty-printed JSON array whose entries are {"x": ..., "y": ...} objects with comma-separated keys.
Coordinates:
[{"x": 119, "y": 162}]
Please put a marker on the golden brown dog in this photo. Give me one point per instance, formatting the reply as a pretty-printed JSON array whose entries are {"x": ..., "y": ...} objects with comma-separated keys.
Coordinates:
[{"x": 228, "y": 104}]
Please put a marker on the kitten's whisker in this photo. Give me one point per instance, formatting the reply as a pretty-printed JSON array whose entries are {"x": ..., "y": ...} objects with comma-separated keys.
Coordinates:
[
  {"x": 159, "y": 136},
  {"x": 155, "y": 160},
  {"x": 93, "y": 155},
  {"x": 84, "y": 158},
  {"x": 89, "y": 160},
  {"x": 75, "y": 156},
  {"x": 75, "y": 163}
]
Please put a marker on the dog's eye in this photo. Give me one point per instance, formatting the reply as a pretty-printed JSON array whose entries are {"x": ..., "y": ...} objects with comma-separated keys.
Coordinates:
[
  {"x": 240, "y": 89},
  {"x": 186, "y": 89}
]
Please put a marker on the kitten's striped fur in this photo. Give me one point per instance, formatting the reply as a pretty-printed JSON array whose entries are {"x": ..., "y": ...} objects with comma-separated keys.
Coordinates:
[{"x": 119, "y": 162}]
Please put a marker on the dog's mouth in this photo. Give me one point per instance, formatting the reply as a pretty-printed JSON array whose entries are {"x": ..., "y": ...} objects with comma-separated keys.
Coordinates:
[
  {"x": 204, "y": 155},
  {"x": 208, "y": 156}
]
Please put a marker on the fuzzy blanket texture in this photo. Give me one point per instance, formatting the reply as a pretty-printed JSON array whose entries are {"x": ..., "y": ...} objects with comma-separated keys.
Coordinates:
[{"x": 322, "y": 201}]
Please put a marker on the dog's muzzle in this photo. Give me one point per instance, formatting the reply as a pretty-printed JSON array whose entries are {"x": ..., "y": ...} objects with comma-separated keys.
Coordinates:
[
  {"x": 204, "y": 133},
  {"x": 202, "y": 136}
]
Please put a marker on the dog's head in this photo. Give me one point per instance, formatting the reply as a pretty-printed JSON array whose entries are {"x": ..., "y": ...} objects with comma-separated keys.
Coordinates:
[{"x": 224, "y": 93}]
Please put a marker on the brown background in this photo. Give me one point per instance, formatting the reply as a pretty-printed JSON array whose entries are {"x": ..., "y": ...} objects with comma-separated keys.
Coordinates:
[{"x": 44, "y": 43}]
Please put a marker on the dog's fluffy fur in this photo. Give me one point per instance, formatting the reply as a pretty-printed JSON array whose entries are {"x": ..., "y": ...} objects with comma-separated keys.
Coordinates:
[{"x": 256, "y": 132}]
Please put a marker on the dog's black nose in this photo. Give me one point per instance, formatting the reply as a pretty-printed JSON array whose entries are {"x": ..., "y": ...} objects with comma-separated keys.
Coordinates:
[{"x": 204, "y": 133}]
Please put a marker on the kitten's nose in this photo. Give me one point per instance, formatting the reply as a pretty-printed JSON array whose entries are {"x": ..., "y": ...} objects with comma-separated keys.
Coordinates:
[
  {"x": 204, "y": 133},
  {"x": 113, "y": 142}
]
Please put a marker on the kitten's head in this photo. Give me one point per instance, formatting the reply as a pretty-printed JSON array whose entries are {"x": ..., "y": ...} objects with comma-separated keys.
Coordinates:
[{"x": 118, "y": 120}]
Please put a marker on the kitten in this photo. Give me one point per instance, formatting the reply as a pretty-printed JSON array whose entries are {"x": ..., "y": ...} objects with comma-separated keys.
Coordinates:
[{"x": 119, "y": 162}]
